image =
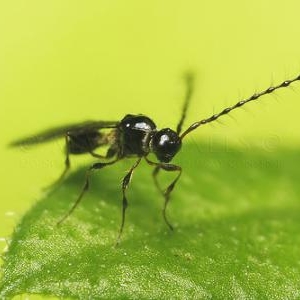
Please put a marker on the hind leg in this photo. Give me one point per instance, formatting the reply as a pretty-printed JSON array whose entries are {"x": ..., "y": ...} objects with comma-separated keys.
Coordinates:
[{"x": 56, "y": 184}]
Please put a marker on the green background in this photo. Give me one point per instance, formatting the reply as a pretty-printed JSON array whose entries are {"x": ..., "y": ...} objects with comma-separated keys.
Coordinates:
[{"x": 68, "y": 61}]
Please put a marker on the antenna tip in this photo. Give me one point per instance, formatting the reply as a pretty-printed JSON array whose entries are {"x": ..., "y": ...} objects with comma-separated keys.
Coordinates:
[{"x": 189, "y": 77}]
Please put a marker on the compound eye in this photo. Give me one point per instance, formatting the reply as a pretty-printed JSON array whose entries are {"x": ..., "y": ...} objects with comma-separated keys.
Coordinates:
[{"x": 165, "y": 144}]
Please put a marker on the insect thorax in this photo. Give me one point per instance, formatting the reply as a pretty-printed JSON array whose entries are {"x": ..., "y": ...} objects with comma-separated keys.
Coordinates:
[{"x": 135, "y": 134}]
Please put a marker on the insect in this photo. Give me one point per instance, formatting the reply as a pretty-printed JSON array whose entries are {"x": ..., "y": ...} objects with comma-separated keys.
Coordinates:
[{"x": 133, "y": 136}]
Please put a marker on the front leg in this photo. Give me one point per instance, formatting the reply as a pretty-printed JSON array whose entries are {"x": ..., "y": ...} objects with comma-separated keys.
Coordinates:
[
  {"x": 166, "y": 193},
  {"x": 154, "y": 175}
]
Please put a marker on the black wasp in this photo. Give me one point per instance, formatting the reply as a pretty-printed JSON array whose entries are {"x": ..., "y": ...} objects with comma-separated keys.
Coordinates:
[{"x": 133, "y": 136}]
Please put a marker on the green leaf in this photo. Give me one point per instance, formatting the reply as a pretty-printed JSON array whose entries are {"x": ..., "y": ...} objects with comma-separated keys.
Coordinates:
[{"x": 237, "y": 233}]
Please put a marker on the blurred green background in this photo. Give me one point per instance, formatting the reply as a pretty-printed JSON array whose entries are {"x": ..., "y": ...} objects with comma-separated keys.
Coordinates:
[{"x": 68, "y": 61}]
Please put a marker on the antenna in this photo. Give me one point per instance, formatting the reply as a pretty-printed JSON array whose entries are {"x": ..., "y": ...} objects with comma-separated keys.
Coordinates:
[
  {"x": 189, "y": 78},
  {"x": 227, "y": 110}
]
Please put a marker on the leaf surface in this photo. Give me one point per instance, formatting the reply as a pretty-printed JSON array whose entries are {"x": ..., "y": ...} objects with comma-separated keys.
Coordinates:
[{"x": 236, "y": 217}]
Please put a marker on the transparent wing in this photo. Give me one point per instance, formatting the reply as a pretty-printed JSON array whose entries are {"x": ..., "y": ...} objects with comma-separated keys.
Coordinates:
[{"x": 57, "y": 132}]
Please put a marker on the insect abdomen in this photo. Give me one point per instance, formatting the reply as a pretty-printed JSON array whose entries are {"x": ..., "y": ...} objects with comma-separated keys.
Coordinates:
[{"x": 83, "y": 142}]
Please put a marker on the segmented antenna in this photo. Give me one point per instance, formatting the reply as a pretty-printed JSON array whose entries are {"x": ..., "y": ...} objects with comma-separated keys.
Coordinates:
[
  {"x": 227, "y": 110},
  {"x": 189, "y": 77}
]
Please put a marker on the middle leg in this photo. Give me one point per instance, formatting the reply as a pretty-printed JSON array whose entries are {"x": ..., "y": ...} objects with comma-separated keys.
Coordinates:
[{"x": 125, "y": 184}]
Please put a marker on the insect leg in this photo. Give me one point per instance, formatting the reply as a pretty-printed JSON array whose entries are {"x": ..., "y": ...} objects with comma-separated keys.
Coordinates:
[
  {"x": 95, "y": 166},
  {"x": 125, "y": 184},
  {"x": 97, "y": 155},
  {"x": 154, "y": 175},
  {"x": 111, "y": 152},
  {"x": 169, "y": 189},
  {"x": 53, "y": 186},
  {"x": 67, "y": 161}
]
